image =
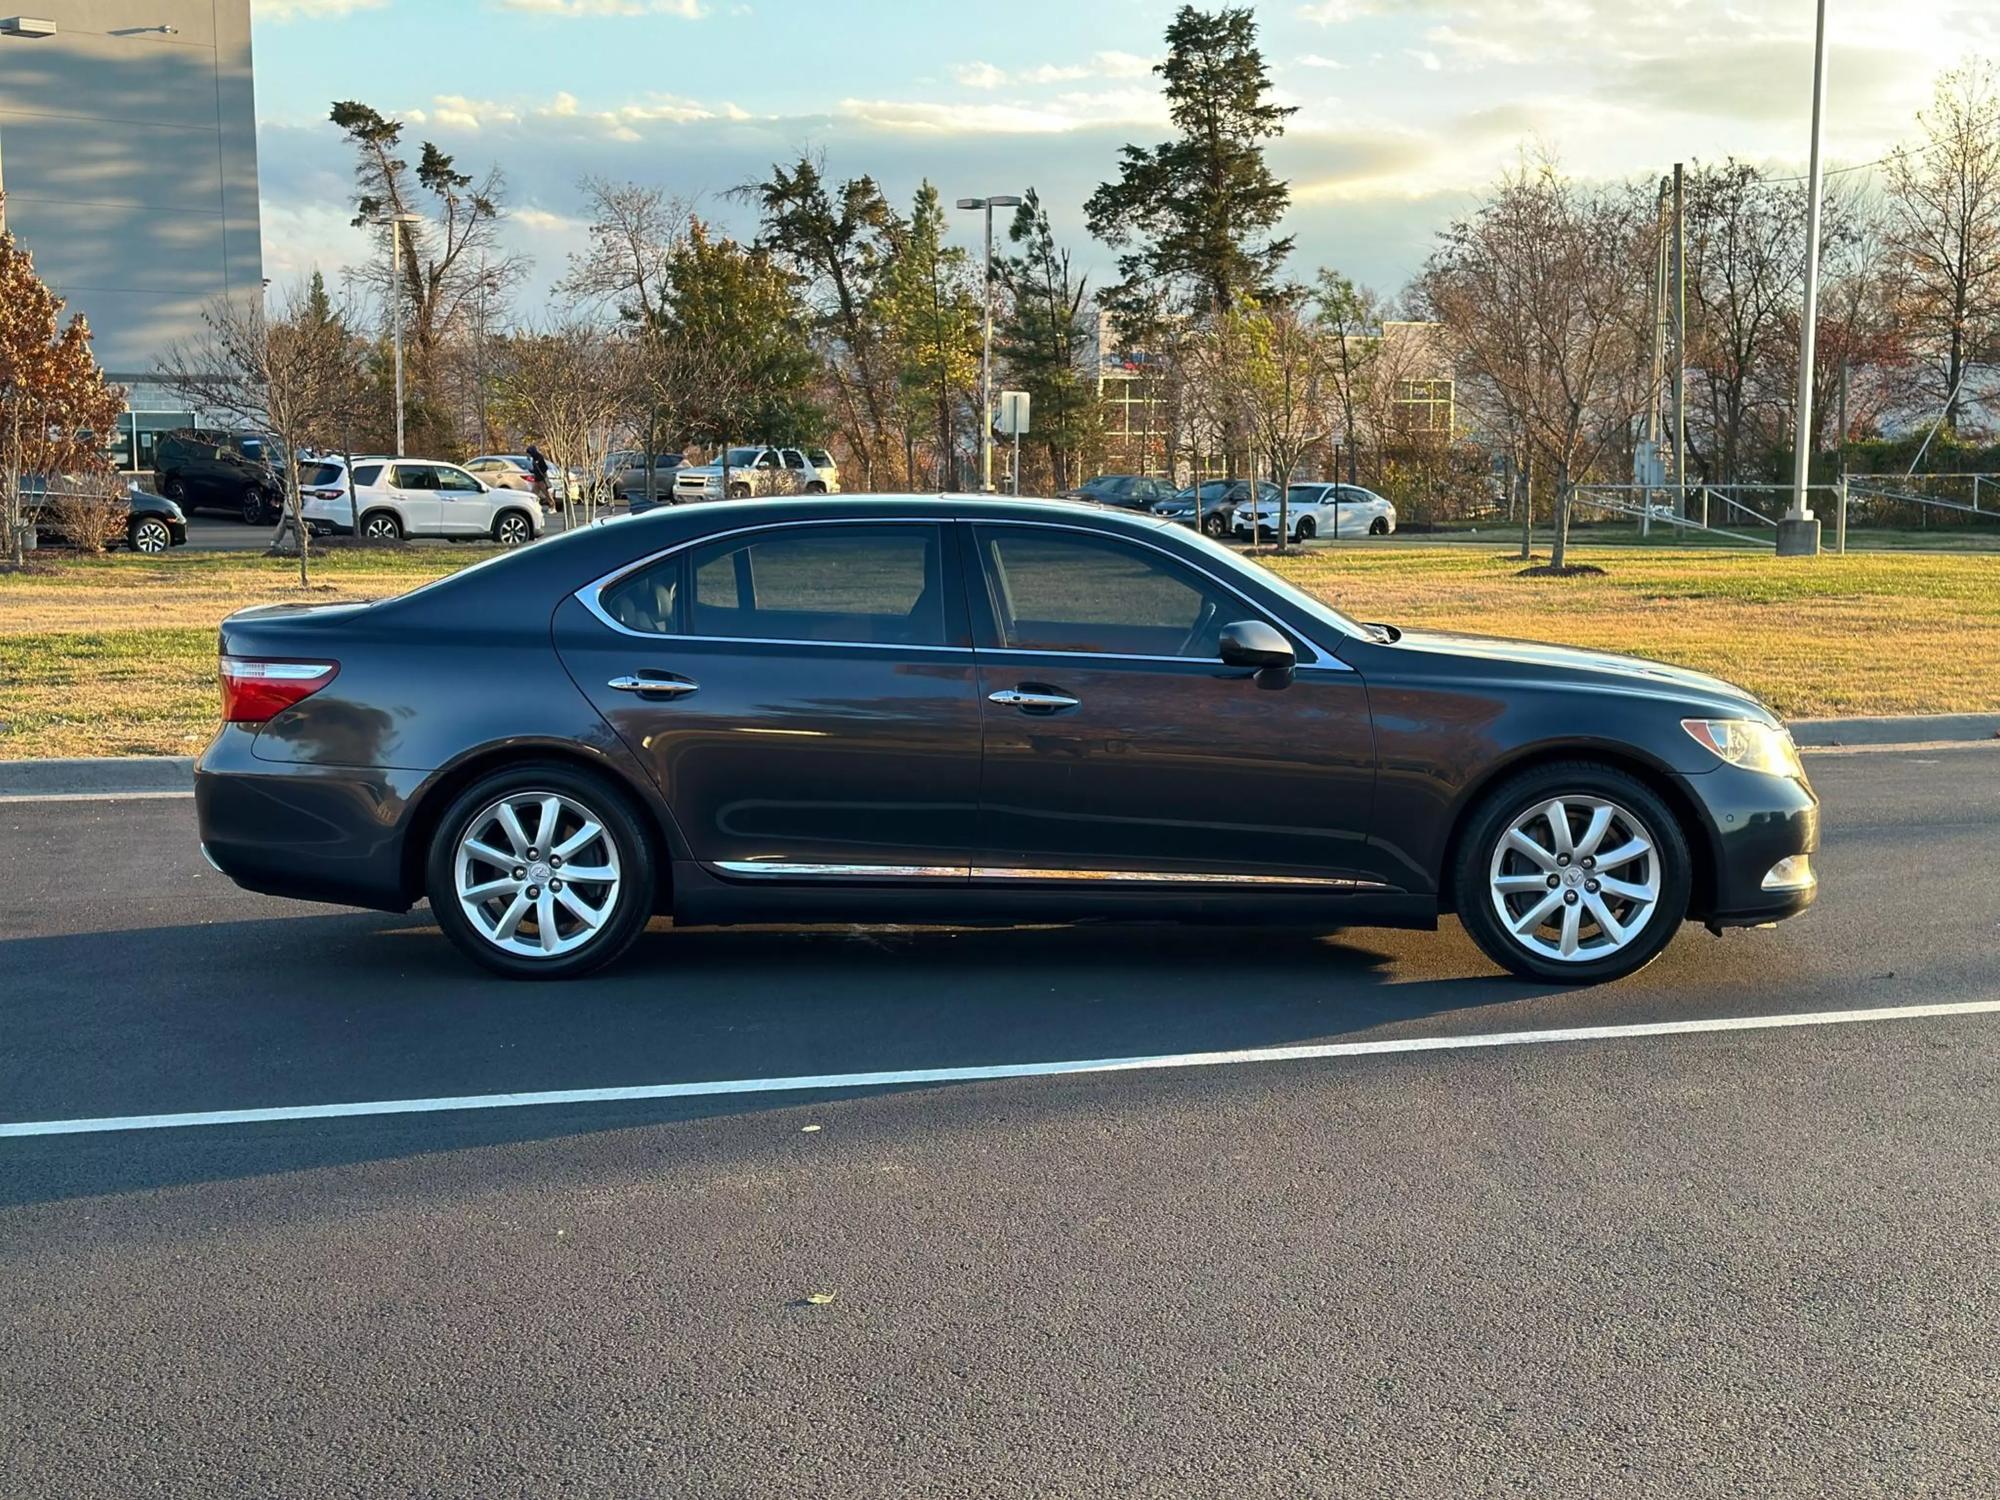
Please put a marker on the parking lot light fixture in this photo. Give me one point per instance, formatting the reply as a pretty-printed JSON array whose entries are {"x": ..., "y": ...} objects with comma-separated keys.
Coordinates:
[
  {"x": 996, "y": 200},
  {"x": 395, "y": 223}
]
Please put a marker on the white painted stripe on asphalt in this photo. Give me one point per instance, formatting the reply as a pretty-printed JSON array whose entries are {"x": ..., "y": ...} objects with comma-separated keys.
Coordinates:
[
  {"x": 6, "y": 797},
  {"x": 814, "y": 1083}
]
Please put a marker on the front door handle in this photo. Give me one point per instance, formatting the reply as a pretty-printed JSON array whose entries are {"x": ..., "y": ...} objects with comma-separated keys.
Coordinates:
[
  {"x": 666, "y": 687},
  {"x": 1032, "y": 699}
]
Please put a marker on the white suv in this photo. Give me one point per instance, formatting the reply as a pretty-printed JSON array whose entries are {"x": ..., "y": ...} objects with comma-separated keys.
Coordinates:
[
  {"x": 757, "y": 471},
  {"x": 405, "y": 497}
]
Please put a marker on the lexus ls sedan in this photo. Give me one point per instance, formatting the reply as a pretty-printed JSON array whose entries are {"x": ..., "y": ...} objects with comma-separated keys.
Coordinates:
[{"x": 955, "y": 709}]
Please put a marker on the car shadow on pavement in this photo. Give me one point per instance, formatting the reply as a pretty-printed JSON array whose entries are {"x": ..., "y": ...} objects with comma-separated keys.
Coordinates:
[{"x": 361, "y": 1007}]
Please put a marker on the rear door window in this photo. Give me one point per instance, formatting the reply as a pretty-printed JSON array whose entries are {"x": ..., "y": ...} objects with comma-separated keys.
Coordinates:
[{"x": 872, "y": 585}]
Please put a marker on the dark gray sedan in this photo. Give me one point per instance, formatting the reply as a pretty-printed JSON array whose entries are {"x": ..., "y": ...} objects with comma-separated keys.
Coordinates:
[{"x": 955, "y": 709}]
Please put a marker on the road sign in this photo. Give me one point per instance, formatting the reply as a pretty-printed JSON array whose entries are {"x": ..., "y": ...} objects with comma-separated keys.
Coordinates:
[{"x": 1011, "y": 420}]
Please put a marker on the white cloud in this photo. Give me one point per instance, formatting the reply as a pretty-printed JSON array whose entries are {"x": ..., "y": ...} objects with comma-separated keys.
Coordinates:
[
  {"x": 1314, "y": 60},
  {"x": 1107, "y": 65},
  {"x": 1337, "y": 12},
  {"x": 310, "y": 10},
  {"x": 1424, "y": 58},
  {"x": 690, "y": 10}
]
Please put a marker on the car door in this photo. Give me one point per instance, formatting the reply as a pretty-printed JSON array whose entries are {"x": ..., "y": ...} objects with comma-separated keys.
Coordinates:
[
  {"x": 415, "y": 487},
  {"x": 465, "y": 507},
  {"x": 1117, "y": 741},
  {"x": 805, "y": 696}
]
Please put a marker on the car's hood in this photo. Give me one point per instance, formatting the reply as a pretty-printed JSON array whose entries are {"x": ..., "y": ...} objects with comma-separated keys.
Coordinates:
[{"x": 1543, "y": 656}]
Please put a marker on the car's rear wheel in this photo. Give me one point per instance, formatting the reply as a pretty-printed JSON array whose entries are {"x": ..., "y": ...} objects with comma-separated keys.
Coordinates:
[
  {"x": 815, "y": 488},
  {"x": 174, "y": 490},
  {"x": 511, "y": 529},
  {"x": 1576, "y": 872},
  {"x": 541, "y": 872},
  {"x": 150, "y": 535},
  {"x": 381, "y": 526}
]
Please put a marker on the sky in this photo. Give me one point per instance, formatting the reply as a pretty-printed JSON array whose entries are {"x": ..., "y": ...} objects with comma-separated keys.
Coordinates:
[{"x": 1406, "y": 108}]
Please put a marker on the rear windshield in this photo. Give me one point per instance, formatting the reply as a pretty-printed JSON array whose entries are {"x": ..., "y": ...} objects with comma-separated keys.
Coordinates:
[
  {"x": 324, "y": 475},
  {"x": 367, "y": 474}
]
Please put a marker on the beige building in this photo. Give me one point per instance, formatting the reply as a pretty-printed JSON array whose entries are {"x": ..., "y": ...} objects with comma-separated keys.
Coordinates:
[{"x": 128, "y": 154}]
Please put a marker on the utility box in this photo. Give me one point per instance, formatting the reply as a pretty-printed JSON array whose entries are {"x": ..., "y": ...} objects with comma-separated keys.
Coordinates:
[{"x": 1011, "y": 420}]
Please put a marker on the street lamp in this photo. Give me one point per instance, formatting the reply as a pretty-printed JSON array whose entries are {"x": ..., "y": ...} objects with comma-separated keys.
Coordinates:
[
  {"x": 1798, "y": 532},
  {"x": 395, "y": 223},
  {"x": 997, "y": 200}
]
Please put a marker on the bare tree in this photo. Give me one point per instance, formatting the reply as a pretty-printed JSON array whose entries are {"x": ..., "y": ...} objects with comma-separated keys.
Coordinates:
[
  {"x": 1350, "y": 320},
  {"x": 1286, "y": 368},
  {"x": 296, "y": 377},
  {"x": 569, "y": 385},
  {"x": 1536, "y": 293},
  {"x": 1944, "y": 231}
]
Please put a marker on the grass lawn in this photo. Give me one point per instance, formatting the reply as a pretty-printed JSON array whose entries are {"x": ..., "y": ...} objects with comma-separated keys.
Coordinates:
[{"x": 116, "y": 656}]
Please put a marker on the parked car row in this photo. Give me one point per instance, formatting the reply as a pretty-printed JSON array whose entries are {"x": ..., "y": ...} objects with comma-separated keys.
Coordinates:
[{"x": 1227, "y": 507}]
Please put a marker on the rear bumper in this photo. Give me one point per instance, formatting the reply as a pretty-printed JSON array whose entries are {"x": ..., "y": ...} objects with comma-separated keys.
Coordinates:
[{"x": 313, "y": 833}]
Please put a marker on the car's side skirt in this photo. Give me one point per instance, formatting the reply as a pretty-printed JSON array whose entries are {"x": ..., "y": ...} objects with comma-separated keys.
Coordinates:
[{"x": 702, "y": 894}]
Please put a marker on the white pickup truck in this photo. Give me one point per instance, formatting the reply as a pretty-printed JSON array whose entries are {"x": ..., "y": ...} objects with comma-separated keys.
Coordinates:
[{"x": 759, "y": 471}]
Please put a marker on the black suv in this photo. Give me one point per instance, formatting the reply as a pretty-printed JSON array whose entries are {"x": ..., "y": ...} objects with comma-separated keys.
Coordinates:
[{"x": 233, "y": 471}]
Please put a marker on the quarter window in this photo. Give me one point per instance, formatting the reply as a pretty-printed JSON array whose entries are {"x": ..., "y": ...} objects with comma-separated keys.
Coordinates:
[
  {"x": 1067, "y": 591},
  {"x": 366, "y": 475}
]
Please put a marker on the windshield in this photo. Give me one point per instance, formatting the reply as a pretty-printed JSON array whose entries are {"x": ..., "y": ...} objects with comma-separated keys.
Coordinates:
[
  {"x": 1318, "y": 609},
  {"x": 743, "y": 458}
]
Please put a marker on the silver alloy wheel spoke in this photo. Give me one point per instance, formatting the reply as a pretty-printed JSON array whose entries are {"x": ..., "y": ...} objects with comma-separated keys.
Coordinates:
[
  {"x": 521, "y": 900},
  {"x": 1550, "y": 887}
]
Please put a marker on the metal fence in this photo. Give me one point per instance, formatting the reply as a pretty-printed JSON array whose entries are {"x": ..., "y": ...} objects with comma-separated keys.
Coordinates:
[{"x": 1748, "y": 514}]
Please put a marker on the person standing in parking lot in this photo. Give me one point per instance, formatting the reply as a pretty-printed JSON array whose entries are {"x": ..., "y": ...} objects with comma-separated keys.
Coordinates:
[{"x": 539, "y": 471}]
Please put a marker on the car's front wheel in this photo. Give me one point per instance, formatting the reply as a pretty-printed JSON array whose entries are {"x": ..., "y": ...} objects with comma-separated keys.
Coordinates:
[
  {"x": 1307, "y": 530},
  {"x": 511, "y": 529},
  {"x": 150, "y": 535},
  {"x": 1379, "y": 526},
  {"x": 1213, "y": 524},
  {"x": 1576, "y": 872},
  {"x": 541, "y": 872}
]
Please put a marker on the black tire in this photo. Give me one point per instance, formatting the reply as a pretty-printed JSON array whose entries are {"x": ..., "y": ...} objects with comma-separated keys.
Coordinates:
[
  {"x": 513, "y": 528},
  {"x": 623, "y": 824},
  {"x": 173, "y": 490},
  {"x": 815, "y": 488},
  {"x": 150, "y": 535},
  {"x": 739, "y": 492},
  {"x": 1213, "y": 524},
  {"x": 1307, "y": 530},
  {"x": 1379, "y": 526},
  {"x": 1473, "y": 887},
  {"x": 256, "y": 507},
  {"x": 381, "y": 526}
]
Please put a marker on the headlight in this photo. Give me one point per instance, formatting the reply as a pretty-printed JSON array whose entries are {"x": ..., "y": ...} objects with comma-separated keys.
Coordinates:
[{"x": 1749, "y": 744}]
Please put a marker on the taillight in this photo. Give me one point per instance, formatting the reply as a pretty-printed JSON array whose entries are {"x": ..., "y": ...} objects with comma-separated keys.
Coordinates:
[
  {"x": 325, "y": 494},
  {"x": 253, "y": 691}
]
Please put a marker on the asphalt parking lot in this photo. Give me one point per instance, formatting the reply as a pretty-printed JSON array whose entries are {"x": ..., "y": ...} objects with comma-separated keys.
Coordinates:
[{"x": 1711, "y": 1262}]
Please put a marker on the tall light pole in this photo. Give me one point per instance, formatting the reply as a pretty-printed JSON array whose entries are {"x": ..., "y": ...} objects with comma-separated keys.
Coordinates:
[
  {"x": 396, "y": 223},
  {"x": 997, "y": 200},
  {"x": 1798, "y": 532}
]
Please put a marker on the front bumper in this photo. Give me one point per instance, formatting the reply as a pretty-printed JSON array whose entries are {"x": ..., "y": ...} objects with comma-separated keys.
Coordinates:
[{"x": 1754, "y": 823}]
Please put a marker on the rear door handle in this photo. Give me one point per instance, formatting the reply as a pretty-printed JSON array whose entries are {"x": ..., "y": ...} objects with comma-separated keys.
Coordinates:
[
  {"x": 665, "y": 687},
  {"x": 1033, "y": 699}
]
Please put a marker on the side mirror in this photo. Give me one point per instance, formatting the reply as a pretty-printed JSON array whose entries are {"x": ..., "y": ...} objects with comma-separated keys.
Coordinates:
[{"x": 1252, "y": 643}]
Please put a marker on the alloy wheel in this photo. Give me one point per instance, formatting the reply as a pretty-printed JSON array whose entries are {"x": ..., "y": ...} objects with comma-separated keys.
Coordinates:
[
  {"x": 536, "y": 874},
  {"x": 151, "y": 536},
  {"x": 381, "y": 528},
  {"x": 511, "y": 530},
  {"x": 1575, "y": 878}
]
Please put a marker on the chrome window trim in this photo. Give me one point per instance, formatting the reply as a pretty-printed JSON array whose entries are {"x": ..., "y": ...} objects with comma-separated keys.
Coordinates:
[
  {"x": 589, "y": 595},
  {"x": 782, "y": 869}
]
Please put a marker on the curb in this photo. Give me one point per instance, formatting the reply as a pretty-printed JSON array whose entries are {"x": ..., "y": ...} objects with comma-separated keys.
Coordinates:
[
  {"x": 1902, "y": 729},
  {"x": 109, "y": 773}
]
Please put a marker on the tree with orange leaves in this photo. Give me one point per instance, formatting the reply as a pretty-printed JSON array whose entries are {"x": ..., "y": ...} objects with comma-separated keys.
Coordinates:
[{"x": 55, "y": 409}]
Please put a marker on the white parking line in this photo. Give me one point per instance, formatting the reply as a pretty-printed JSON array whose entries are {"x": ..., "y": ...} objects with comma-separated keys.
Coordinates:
[
  {"x": 899, "y": 1076},
  {"x": 6, "y": 797}
]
